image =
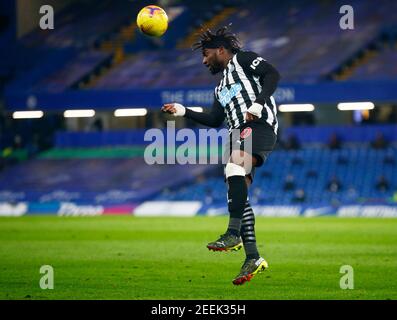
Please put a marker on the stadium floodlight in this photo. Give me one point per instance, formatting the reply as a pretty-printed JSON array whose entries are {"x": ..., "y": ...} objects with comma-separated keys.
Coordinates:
[
  {"x": 83, "y": 113},
  {"x": 296, "y": 107},
  {"x": 348, "y": 106},
  {"x": 36, "y": 114},
  {"x": 133, "y": 112},
  {"x": 197, "y": 109}
]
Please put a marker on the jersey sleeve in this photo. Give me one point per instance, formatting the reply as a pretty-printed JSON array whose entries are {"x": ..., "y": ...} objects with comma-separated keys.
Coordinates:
[
  {"x": 255, "y": 65},
  {"x": 213, "y": 119}
]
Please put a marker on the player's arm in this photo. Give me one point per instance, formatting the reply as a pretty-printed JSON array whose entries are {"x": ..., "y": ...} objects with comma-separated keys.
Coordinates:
[
  {"x": 268, "y": 77},
  {"x": 213, "y": 119}
]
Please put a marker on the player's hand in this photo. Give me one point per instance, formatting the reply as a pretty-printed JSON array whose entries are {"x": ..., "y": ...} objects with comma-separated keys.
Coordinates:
[
  {"x": 168, "y": 108},
  {"x": 175, "y": 109},
  {"x": 250, "y": 117},
  {"x": 254, "y": 112}
]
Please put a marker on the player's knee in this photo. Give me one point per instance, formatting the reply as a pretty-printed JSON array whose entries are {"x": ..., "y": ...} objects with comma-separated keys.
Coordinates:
[
  {"x": 233, "y": 169},
  {"x": 242, "y": 159},
  {"x": 238, "y": 157}
]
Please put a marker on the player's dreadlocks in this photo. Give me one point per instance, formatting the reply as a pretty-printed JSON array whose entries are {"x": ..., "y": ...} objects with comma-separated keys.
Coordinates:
[{"x": 221, "y": 38}]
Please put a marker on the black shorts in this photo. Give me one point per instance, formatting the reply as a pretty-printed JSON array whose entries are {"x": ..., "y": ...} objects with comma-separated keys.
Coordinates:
[{"x": 256, "y": 138}]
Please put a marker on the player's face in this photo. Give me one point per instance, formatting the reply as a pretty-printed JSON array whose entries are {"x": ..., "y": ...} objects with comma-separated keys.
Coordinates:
[{"x": 212, "y": 60}]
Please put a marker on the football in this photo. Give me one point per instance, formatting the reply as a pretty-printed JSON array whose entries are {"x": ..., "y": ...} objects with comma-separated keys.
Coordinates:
[{"x": 152, "y": 21}]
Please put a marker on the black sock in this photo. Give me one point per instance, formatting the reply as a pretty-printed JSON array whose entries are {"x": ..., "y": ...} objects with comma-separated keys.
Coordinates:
[
  {"x": 248, "y": 233},
  {"x": 233, "y": 231},
  {"x": 237, "y": 195}
]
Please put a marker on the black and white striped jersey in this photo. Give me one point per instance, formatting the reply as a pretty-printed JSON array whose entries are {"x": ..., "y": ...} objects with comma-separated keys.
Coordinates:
[
  {"x": 243, "y": 84},
  {"x": 247, "y": 78}
]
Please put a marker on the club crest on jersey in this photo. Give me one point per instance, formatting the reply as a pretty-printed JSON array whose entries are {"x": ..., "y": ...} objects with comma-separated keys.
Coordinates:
[
  {"x": 226, "y": 95},
  {"x": 245, "y": 133}
]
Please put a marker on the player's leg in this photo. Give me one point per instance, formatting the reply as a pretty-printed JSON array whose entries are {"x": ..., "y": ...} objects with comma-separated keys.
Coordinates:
[
  {"x": 253, "y": 263},
  {"x": 262, "y": 140},
  {"x": 235, "y": 171},
  {"x": 248, "y": 232}
]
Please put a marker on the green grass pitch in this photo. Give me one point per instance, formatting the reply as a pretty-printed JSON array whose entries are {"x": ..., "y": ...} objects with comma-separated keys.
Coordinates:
[{"x": 125, "y": 257}]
